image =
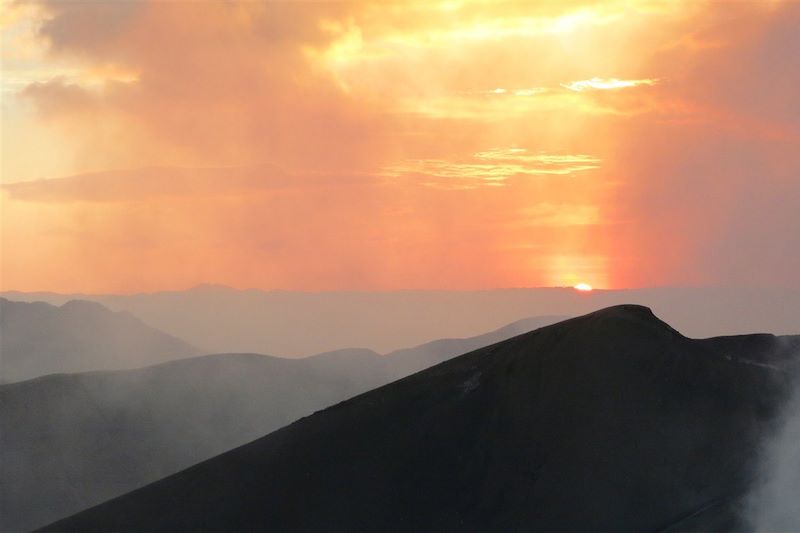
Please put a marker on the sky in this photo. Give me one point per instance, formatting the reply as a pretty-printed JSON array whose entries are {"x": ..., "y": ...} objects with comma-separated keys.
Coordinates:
[{"x": 384, "y": 145}]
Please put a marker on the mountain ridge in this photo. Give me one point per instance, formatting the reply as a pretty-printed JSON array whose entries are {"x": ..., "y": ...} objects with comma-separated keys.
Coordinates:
[
  {"x": 278, "y": 322},
  {"x": 38, "y": 338},
  {"x": 141, "y": 424},
  {"x": 610, "y": 421}
]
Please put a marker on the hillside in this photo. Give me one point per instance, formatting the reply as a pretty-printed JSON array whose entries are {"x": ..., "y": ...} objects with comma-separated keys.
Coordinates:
[
  {"x": 38, "y": 338},
  {"x": 610, "y": 421},
  {"x": 409, "y": 360},
  {"x": 137, "y": 426}
]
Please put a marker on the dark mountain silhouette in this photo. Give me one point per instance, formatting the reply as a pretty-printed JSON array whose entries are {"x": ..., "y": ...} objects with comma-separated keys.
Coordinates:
[
  {"x": 408, "y": 360},
  {"x": 71, "y": 441},
  {"x": 608, "y": 422},
  {"x": 39, "y": 338}
]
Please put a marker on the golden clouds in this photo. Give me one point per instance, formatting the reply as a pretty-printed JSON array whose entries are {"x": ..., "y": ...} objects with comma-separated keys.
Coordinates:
[
  {"x": 491, "y": 168},
  {"x": 605, "y": 84},
  {"x": 538, "y": 143},
  {"x": 145, "y": 184},
  {"x": 306, "y": 86}
]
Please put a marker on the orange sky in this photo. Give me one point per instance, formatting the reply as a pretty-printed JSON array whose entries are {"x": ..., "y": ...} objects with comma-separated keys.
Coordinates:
[{"x": 153, "y": 145}]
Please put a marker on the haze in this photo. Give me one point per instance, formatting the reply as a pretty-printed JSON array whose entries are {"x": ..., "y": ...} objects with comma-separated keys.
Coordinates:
[{"x": 295, "y": 324}]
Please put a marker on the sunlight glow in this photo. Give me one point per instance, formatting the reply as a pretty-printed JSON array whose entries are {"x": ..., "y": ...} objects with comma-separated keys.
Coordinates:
[
  {"x": 605, "y": 84},
  {"x": 583, "y": 287},
  {"x": 497, "y": 165}
]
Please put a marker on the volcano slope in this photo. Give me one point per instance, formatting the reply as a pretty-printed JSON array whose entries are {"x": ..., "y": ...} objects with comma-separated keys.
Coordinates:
[
  {"x": 72, "y": 441},
  {"x": 610, "y": 421}
]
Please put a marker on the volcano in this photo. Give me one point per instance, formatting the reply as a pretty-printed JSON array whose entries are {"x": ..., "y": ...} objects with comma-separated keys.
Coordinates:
[{"x": 609, "y": 421}]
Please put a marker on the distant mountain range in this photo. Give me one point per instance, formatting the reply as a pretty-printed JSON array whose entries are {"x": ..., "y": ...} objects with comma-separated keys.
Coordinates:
[
  {"x": 297, "y": 324},
  {"x": 612, "y": 421},
  {"x": 70, "y": 441},
  {"x": 38, "y": 338}
]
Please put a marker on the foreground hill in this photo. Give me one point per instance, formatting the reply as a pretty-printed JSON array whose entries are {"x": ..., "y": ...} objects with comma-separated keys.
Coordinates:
[
  {"x": 71, "y": 441},
  {"x": 38, "y": 338},
  {"x": 401, "y": 363},
  {"x": 611, "y": 421}
]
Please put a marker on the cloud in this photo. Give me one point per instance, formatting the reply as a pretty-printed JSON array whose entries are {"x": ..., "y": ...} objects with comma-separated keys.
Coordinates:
[
  {"x": 164, "y": 94},
  {"x": 606, "y": 84},
  {"x": 134, "y": 228},
  {"x": 493, "y": 167},
  {"x": 255, "y": 137},
  {"x": 143, "y": 184},
  {"x": 529, "y": 92},
  {"x": 546, "y": 214}
]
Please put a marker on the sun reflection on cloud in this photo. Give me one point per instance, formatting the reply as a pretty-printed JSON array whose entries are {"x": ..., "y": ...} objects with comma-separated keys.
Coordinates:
[
  {"x": 502, "y": 91},
  {"x": 500, "y": 27},
  {"x": 605, "y": 84},
  {"x": 495, "y": 166}
]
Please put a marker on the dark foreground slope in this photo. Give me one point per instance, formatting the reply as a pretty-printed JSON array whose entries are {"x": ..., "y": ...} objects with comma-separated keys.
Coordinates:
[
  {"x": 611, "y": 421},
  {"x": 38, "y": 338},
  {"x": 403, "y": 362},
  {"x": 71, "y": 441}
]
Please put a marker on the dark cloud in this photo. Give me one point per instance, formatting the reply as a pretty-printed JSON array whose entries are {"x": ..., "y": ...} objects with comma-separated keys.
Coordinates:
[
  {"x": 144, "y": 184},
  {"x": 217, "y": 83}
]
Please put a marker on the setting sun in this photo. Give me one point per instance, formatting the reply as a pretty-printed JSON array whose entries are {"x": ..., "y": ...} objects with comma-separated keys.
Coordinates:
[{"x": 583, "y": 287}]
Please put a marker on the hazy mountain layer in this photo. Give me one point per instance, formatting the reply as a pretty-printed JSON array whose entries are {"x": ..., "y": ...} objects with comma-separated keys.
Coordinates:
[
  {"x": 72, "y": 441},
  {"x": 295, "y": 324},
  {"x": 38, "y": 338},
  {"x": 612, "y": 421}
]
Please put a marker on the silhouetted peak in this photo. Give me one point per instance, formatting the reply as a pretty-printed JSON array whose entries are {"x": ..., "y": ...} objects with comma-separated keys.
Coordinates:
[
  {"x": 556, "y": 429},
  {"x": 634, "y": 315},
  {"x": 85, "y": 306},
  {"x": 40, "y": 338},
  {"x": 212, "y": 288},
  {"x": 626, "y": 310},
  {"x": 346, "y": 353}
]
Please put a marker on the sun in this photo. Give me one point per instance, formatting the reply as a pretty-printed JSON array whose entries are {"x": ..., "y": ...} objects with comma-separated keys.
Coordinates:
[{"x": 583, "y": 287}]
